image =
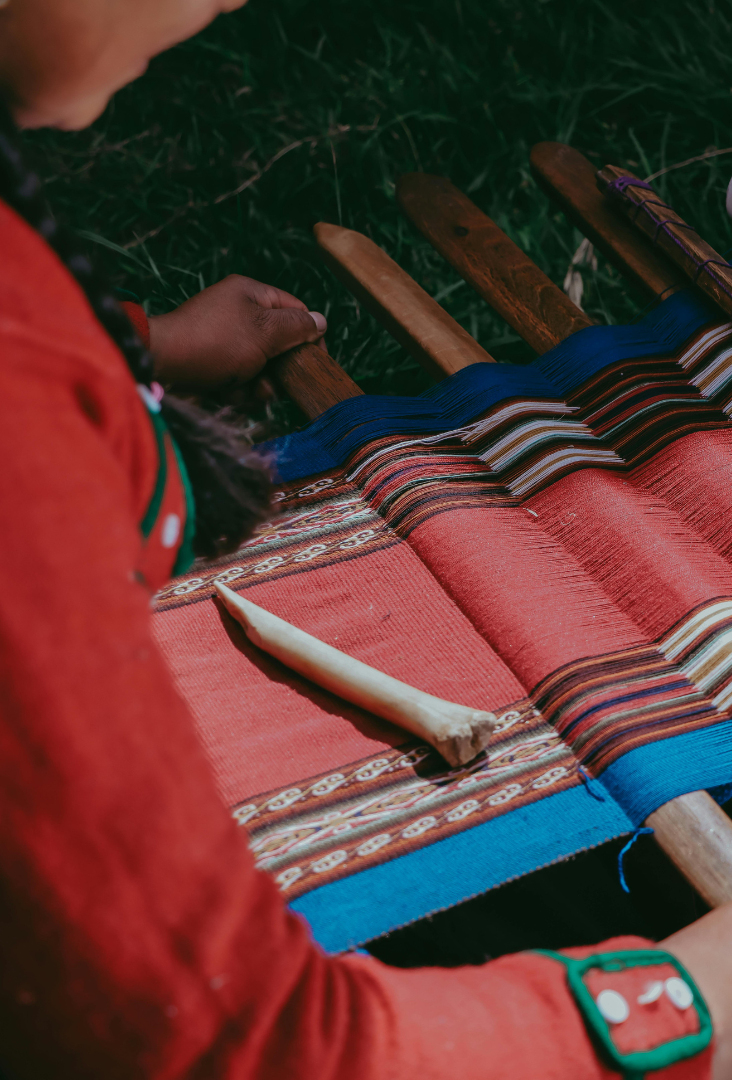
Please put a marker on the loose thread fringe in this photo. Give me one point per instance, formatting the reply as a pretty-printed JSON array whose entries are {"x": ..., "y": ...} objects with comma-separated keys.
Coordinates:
[
  {"x": 624, "y": 851},
  {"x": 594, "y": 787}
]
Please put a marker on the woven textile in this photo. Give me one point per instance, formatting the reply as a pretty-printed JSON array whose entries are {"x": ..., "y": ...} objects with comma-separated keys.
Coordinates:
[{"x": 550, "y": 543}]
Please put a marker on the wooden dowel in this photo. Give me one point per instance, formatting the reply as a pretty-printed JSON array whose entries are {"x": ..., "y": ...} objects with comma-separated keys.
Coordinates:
[
  {"x": 497, "y": 269},
  {"x": 700, "y": 264},
  {"x": 313, "y": 379},
  {"x": 569, "y": 179},
  {"x": 457, "y": 732},
  {"x": 697, "y": 836},
  {"x": 410, "y": 314}
]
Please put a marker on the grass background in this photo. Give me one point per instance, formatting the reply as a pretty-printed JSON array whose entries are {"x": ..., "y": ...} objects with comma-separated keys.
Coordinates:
[{"x": 310, "y": 109}]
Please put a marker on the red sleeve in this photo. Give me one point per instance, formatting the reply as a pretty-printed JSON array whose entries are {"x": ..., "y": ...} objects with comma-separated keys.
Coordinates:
[
  {"x": 136, "y": 314},
  {"x": 137, "y": 937}
]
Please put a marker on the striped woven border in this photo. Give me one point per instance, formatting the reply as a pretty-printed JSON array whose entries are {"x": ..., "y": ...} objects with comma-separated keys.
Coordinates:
[{"x": 616, "y": 419}]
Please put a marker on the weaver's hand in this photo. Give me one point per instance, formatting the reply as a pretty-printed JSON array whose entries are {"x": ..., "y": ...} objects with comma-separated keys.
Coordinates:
[{"x": 228, "y": 332}]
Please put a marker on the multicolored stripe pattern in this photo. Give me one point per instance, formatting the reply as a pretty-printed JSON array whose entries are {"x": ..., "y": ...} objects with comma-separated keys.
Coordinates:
[
  {"x": 498, "y": 450},
  {"x": 318, "y": 524}
]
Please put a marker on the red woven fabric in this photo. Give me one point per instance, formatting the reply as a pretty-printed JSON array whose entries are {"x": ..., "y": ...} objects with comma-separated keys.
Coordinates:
[
  {"x": 679, "y": 449},
  {"x": 595, "y": 596},
  {"x": 240, "y": 695}
]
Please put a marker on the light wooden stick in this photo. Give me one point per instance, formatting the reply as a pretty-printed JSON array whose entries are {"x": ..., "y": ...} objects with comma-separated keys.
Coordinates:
[
  {"x": 410, "y": 314},
  {"x": 696, "y": 834},
  {"x": 455, "y": 731}
]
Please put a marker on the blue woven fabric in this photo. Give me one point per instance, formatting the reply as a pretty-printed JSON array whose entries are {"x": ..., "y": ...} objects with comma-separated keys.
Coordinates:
[
  {"x": 663, "y": 330},
  {"x": 358, "y": 908},
  {"x": 363, "y": 906},
  {"x": 329, "y": 440}
]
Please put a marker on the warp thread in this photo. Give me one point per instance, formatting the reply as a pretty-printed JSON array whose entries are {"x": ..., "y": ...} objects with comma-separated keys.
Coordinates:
[
  {"x": 329, "y": 441},
  {"x": 617, "y": 186},
  {"x": 708, "y": 262},
  {"x": 645, "y": 831}
]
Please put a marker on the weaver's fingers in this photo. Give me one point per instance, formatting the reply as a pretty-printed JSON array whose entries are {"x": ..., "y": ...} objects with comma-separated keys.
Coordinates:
[{"x": 280, "y": 329}]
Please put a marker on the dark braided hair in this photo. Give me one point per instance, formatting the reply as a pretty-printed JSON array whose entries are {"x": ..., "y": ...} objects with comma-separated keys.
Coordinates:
[{"x": 230, "y": 482}]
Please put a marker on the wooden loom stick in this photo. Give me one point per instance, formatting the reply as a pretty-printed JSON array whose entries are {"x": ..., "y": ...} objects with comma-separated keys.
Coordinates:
[
  {"x": 313, "y": 379},
  {"x": 691, "y": 829},
  {"x": 570, "y": 179},
  {"x": 697, "y": 836},
  {"x": 456, "y": 731},
  {"x": 698, "y": 260},
  {"x": 410, "y": 314},
  {"x": 497, "y": 269}
]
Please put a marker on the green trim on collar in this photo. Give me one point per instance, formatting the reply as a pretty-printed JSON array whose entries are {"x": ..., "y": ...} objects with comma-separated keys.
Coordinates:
[
  {"x": 633, "y": 1066},
  {"x": 127, "y": 294},
  {"x": 151, "y": 514},
  {"x": 186, "y": 555}
]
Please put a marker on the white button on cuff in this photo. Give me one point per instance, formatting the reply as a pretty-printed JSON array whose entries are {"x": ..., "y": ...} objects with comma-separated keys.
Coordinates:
[
  {"x": 651, "y": 993},
  {"x": 170, "y": 531},
  {"x": 679, "y": 993},
  {"x": 613, "y": 1006}
]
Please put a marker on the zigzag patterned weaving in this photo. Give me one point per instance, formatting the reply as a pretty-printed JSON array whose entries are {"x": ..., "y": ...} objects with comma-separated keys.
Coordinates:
[{"x": 551, "y": 543}]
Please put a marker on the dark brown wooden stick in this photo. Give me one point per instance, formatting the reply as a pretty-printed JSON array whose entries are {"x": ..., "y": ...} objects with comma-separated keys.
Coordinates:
[
  {"x": 497, "y": 269},
  {"x": 410, "y": 314},
  {"x": 570, "y": 179},
  {"x": 313, "y": 379},
  {"x": 700, "y": 263}
]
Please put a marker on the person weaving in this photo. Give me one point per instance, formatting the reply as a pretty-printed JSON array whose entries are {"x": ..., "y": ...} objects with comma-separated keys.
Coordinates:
[{"x": 138, "y": 940}]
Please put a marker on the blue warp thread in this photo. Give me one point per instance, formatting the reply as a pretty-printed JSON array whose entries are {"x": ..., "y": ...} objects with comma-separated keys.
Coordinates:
[
  {"x": 329, "y": 441},
  {"x": 624, "y": 851}
]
